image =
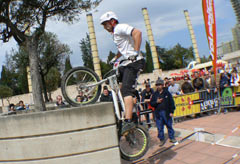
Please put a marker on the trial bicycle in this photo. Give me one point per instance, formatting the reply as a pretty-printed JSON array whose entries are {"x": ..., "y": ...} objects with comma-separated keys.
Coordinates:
[{"x": 81, "y": 86}]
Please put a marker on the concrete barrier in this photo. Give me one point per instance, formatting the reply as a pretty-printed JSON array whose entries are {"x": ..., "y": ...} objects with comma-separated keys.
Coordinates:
[{"x": 66, "y": 136}]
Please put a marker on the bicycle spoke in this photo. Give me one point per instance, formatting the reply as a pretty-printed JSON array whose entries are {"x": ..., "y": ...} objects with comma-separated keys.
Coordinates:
[
  {"x": 133, "y": 143},
  {"x": 75, "y": 87}
]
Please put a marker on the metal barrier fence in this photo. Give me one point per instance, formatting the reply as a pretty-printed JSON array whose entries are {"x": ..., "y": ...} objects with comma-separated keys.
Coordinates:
[{"x": 203, "y": 101}]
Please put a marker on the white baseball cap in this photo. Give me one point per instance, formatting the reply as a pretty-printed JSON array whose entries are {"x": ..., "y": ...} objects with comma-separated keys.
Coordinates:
[{"x": 108, "y": 16}]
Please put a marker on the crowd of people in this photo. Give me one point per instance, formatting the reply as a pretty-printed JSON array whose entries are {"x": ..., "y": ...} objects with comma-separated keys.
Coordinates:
[
  {"x": 19, "y": 106},
  {"x": 202, "y": 80}
]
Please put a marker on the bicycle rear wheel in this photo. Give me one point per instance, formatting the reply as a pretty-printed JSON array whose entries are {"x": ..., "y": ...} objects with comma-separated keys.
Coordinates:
[
  {"x": 75, "y": 88},
  {"x": 134, "y": 143}
]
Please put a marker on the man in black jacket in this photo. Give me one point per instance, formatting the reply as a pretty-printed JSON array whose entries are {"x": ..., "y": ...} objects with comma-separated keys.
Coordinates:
[
  {"x": 164, "y": 105},
  {"x": 106, "y": 96},
  {"x": 198, "y": 83}
]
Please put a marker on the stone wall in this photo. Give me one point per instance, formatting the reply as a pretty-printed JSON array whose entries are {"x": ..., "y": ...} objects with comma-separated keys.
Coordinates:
[{"x": 65, "y": 136}]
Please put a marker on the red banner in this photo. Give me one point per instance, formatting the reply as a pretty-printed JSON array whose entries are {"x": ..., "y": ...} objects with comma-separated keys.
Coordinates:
[{"x": 210, "y": 26}]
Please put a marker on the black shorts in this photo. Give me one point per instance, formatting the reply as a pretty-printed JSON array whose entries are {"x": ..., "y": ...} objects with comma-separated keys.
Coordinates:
[{"x": 128, "y": 75}]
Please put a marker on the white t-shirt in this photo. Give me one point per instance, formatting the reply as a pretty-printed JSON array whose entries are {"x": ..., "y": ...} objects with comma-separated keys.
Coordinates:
[
  {"x": 234, "y": 80},
  {"x": 123, "y": 39}
]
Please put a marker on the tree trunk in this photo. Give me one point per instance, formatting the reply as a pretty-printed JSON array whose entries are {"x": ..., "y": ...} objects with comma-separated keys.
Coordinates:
[
  {"x": 50, "y": 97},
  {"x": 31, "y": 45},
  {"x": 44, "y": 88}
]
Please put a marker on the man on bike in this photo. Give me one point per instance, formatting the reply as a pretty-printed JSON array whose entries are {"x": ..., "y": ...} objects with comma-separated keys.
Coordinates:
[{"x": 128, "y": 40}]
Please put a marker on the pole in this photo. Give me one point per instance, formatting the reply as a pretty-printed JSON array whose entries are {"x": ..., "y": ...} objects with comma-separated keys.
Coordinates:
[
  {"x": 193, "y": 38},
  {"x": 151, "y": 39},
  {"x": 93, "y": 42}
]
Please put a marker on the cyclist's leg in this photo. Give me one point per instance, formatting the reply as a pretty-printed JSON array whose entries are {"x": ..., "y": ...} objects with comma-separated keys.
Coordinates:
[
  {"x": 128, "y": 100},
  {"x": 129, "y": 76}
]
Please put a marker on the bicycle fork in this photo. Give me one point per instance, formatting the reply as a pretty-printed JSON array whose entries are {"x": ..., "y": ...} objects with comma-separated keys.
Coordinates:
[{"x": 116, "y": 94}]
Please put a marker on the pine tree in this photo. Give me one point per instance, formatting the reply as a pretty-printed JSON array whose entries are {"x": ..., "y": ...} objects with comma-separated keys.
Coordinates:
[
  {"x": 110, "y": 56},
  {"x": 4, "y": 76},
  {"x": 86, "y": 52},
  {"x": 22, "y": 80},
  {"x": 52, "y": 79},
  {"x": 149, "y": 60},
  {"x": 68, "y": 64},
  {"x": 5, "y": 92}
]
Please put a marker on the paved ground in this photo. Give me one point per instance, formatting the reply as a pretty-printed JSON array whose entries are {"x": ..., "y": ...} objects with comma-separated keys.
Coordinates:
[{"x": 194, "y": 152}]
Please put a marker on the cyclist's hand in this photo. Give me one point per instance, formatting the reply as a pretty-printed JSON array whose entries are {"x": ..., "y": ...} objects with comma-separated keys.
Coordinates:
[
  {"x": 112, "y": 61},
  {"x": 134, "y": 56}
]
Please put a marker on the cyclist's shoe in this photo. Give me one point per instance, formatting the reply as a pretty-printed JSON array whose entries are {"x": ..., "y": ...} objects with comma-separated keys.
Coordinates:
[
  {"x": 162, "y": 142},
  {"x": 127, "y": 126},
  {"x": 173, "y": 140}
]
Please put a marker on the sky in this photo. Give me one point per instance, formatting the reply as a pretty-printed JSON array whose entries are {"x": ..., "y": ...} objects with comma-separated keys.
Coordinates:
[{"x": 167, "y": 21}]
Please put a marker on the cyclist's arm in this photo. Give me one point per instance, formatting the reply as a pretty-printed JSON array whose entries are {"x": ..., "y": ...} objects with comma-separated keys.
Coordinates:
[
  {"x": 137, "y": 38},
  {"x": 117, "y": 56}
]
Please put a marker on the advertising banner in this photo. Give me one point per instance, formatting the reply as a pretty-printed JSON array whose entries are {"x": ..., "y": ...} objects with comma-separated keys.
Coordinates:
[{"x": 210, "y": 26}]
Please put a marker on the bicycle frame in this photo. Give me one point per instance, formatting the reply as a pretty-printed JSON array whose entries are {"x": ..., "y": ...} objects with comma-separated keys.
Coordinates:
[{"x": 116, "y": 95}]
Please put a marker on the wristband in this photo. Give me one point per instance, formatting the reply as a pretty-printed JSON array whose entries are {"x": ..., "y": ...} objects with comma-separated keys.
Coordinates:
[{"x": 136, "y": 53}]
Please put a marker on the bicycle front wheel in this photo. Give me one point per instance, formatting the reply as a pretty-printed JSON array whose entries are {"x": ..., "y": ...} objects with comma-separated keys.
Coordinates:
[
  {"x": 134, "y": 143},
  {"x": 76, "y": 87}
]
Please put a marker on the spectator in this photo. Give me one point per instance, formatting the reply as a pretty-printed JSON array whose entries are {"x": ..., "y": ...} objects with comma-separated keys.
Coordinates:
[
  {"x": 224, "y": 82},
  {"x": 148, "y": 81},
  {"x": 186, "y": 86},
  {"x": 235, "y": 69},
  {"x": 83, "y": 97},
  {"x": 227, "y": 69},
  {"x": 146, "y": 96},
  {"x": 189, "y": 78},
  {"x": 79, "y": 98},
  {"x": 198, "y": 83},
  {"x": 210, "y": 83},
  {"x": 106, "y": 96},
  {"x": 174, "y": 88},
  {"x": 164, "y": 105},
  {"x": 136, "y": 98},
  {"x": 166, "y": 82},
  {"x": 59, "y": 101},
  {"x": 147, "y": 93},
  {"x": 21, "y": 106},
  {"x": 234, "y": 78},
  {"x": 11, "y": 109}
]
